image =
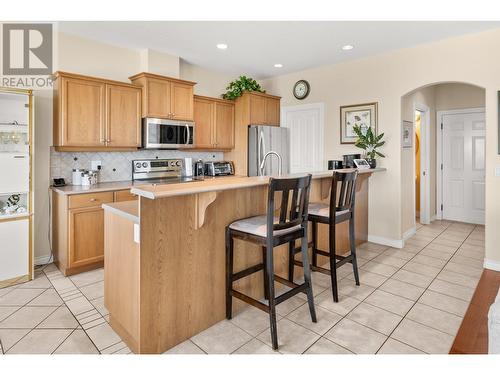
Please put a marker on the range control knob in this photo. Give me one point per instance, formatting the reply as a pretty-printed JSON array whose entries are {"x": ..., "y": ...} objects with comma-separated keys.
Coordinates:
[
  {"x": 137, "y": 165},
  {"x": 172, "y": 163},
  {"x": 144, "y": 164},
  {"x": 178, "y": 163}
]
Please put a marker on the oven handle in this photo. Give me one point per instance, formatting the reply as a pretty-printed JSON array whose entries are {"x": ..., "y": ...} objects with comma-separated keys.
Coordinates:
[{"x": 188, "y": 134}]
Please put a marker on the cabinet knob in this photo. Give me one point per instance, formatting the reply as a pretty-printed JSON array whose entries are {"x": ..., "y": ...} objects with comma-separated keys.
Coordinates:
[{"x": 93, "y": 199}]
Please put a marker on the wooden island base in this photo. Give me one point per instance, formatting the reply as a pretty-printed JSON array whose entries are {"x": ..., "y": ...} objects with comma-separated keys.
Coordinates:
[{"x": 171, "y": 286}]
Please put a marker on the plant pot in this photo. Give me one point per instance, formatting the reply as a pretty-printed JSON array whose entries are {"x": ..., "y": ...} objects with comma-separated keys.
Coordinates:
[{"x": 372, "y": 163}]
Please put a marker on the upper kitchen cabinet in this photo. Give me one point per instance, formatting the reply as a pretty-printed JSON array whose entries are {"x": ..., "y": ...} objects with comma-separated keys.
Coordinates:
[
  {"x": 165, "y": 97},
  {"x": 264, "y": 109},
  {"x": 95, "y": 114},
  {"x": 252, "y": 108},
  {"x": 214, "y": 119}
]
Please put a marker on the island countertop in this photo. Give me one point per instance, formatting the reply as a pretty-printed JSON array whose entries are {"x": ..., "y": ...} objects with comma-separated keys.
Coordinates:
[{"x": 155, "y": 191}]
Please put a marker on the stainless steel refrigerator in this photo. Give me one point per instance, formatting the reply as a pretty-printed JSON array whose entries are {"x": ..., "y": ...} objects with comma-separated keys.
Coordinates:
[{"x": 261, "y": 140}]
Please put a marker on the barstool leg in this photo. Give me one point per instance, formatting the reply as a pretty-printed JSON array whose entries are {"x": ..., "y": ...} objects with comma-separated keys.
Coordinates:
[
  {"x": 291, "y": 258},
  {"x": 352, "y": 242},
  {"x": 266, "y": 287},
  {"x": 229, "y": 273},
  {"x": 315, "y": 243},
  {"x": 307, "y": 278},
  {"x": 333, "y": 262},
  {"x": 272, "y": 301}
]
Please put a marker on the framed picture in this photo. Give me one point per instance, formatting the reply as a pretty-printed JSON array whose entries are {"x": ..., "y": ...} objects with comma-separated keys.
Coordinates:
[
  {"x": 407, "y": 134},
  {"x": 363, "y": 115}
]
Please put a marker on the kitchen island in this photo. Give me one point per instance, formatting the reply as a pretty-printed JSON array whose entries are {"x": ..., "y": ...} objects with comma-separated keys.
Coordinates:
[{"x": 165, "y": 254}]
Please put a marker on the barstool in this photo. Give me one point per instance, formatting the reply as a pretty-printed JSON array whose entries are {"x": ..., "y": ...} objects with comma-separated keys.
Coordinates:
[
  {"x": 270, "y": 231},
  {"x": 340, "y": 209}
]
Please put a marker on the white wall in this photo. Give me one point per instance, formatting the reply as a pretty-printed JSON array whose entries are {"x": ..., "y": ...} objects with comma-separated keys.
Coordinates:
[
  {"x": 78, "y": 55},
  {"x": 385, "y": 79}
]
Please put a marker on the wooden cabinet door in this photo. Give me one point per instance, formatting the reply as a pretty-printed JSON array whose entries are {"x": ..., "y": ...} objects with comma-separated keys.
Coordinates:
[
  {"x": 123, "y": 116},
  {"x": 272, "y": 111},
  {"x": 86, "y": 236},
  {"x": 204, "y": 123},
  {"x": 83, "y": 120},
  {"x": 157, "y": 98},
  {"x": 224, "y": 125},
  {"x": 181, "y": 101},
  {"x": 257, "y": 110}
]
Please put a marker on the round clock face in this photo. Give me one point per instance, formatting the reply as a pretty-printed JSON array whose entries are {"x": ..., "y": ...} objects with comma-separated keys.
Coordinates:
[{"x": 301, "y": 89}]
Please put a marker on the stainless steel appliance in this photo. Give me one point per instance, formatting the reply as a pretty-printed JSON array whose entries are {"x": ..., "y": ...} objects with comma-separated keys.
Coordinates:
[
  {"x": 219, "y": 168},
  {"x": 264, "y": 142},
  {"x": 161, "y": 171},
  {"x": 167, "y": 134},
  {"x": 199, "y": 168},
  {"x": 349, "y": 160}
]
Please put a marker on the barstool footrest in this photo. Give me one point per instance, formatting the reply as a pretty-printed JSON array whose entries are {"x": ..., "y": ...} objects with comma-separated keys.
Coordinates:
[
  {"x": 250, "y": 300},
  {"x": 283, "y": 297},
  {"x": 248, "y": 271}
]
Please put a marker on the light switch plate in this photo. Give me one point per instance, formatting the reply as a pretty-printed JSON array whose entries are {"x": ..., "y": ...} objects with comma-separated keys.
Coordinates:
[
  {"x": 497, "y": 171},
  {"x": 137, "y": 233}
]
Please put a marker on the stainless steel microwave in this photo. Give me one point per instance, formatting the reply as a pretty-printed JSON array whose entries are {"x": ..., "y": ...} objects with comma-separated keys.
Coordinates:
[{"x": 167, "y": 134}]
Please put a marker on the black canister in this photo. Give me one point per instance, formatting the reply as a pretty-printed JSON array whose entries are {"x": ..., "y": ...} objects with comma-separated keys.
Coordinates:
[
  {"x": 335, "y": 164},
  {"x": 349, "y": 160}
]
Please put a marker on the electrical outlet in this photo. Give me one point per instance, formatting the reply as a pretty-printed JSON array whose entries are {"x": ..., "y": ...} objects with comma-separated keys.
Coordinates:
[
  {"x": 96, "y": 165},
  {"x": 497, "y": 171}
]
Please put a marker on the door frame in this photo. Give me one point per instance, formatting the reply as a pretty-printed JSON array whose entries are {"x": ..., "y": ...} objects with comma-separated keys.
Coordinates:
[
  {"x": 439, "y": 151},
  {"x": 425, "y": 184},
  {"x": 321, "y": 107}
]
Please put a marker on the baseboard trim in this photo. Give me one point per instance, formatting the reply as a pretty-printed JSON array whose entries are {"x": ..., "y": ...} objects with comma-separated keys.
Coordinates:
[
  {"x": 41, "y": 260},
  {"x": 409, "y": 233},
  {"x": 386, "y": 241},
  {"x": 492, "y": 264}
]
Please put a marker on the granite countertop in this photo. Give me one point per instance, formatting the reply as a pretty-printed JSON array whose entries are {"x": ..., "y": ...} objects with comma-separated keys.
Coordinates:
[
  {"x": 153, "y": 191},
  {"x": 128, "y": 209},
  {"x": 100, "y": 187}
]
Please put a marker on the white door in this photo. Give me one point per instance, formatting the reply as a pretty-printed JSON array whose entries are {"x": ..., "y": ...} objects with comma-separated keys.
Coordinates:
[
  {"x": 464, "y": 167},
  {"x": 14, "y": 251},
  {"x": 306, "y": 124}
]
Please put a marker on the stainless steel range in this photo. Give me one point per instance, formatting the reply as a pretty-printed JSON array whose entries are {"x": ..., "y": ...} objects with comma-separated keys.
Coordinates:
[{"x": 160, "y": 171}]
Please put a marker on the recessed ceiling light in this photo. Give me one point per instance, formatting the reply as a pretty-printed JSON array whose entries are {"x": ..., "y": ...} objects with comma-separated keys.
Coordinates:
[
  {"x": 347, "y": 47},
  {"x": 278, "y": 65},
  {"x": 222, "y": 46}
]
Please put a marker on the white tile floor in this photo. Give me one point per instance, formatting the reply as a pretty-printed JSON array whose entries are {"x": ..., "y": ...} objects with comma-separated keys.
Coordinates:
[{"x": 411, "y": 300}]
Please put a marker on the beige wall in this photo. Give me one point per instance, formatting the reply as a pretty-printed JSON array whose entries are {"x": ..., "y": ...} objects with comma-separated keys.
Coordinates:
[
  {"x": 83, "y": 56},
  {"x": 458, "y": 96},
  {"x": 385, "y": 79}
]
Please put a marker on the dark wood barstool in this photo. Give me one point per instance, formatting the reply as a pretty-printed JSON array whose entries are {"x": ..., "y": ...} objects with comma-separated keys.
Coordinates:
[
  {"x": 340, "y": 209},
  {"x": 270, "y": 231}
]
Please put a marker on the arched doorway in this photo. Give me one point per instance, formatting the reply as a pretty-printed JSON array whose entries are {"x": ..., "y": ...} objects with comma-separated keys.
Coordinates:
[{"x": 428, "y": 191}]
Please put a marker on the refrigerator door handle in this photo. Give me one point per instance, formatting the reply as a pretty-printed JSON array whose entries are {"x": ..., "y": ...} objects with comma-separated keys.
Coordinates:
[{"x": 260, "y": 151}]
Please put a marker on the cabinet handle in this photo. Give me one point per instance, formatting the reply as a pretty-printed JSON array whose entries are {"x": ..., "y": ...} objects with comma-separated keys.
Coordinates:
[{"x": 93, "y": 199}]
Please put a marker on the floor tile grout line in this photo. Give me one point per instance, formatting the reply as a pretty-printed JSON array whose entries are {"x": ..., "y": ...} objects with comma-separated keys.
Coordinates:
[
  {"x": 427, "y": 288},
  {"x": 74, "y": 316},
  {"x": 62, "y": 342}
]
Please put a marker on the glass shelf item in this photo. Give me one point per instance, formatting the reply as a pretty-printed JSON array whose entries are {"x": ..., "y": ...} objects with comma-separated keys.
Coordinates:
[
  {"x": 14, "y": 119},
  {"x": 14, "y": 205}
]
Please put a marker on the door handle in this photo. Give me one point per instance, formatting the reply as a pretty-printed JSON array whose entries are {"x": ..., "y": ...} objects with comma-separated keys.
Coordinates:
[
  {"x": 188, "y": 134},
  {"x": 260, "y": 151}
]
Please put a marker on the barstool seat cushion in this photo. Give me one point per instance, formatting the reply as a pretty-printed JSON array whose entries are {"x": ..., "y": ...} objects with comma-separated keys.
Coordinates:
[
  {"x": 257, "y": 225},
  {"x": 322, "y": 209}
]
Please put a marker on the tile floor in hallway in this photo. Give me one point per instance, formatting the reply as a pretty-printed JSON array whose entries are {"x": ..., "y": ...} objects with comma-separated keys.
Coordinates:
[{"x": 411, "y": 300}]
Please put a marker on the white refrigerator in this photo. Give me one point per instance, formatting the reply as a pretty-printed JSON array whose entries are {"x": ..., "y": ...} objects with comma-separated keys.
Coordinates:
[{"x": 16, "y": 192}]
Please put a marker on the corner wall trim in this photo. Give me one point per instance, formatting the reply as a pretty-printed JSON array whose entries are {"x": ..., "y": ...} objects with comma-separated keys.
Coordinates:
[
  {"x": 386, "y": 241},
  {"x": 492, "y": 264},
  {"x": 41, "y": 260},
  {"x": 409, "y": 233}
]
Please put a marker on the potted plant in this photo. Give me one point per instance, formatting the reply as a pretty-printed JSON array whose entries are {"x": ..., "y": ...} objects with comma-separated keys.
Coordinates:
[
  {"x": 369, "y": 142},
  {"x": 236, "y": 88}
]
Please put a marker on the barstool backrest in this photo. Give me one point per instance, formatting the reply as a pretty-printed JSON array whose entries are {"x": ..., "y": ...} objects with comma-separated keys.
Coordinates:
[
  {"x": 292, "y": 212},
  {"x": 343, "y": 199}
]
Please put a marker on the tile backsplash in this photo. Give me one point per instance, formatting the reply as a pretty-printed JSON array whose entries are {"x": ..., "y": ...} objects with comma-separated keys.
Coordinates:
[{"x": 116, "y": 166}]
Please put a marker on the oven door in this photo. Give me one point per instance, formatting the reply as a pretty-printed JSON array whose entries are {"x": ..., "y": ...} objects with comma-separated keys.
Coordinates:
[{"x": 167, "y": 134}]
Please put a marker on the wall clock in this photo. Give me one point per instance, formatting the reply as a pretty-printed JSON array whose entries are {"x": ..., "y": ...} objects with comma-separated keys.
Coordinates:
[{"x": 301, "y": 89}]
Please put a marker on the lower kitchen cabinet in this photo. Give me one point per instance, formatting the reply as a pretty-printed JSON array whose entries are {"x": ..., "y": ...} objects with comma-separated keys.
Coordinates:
[{"x": 78, "y": 229}]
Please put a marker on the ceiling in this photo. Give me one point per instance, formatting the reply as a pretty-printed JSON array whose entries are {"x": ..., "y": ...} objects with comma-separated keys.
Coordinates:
[{"x": 254, "y": 47}]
